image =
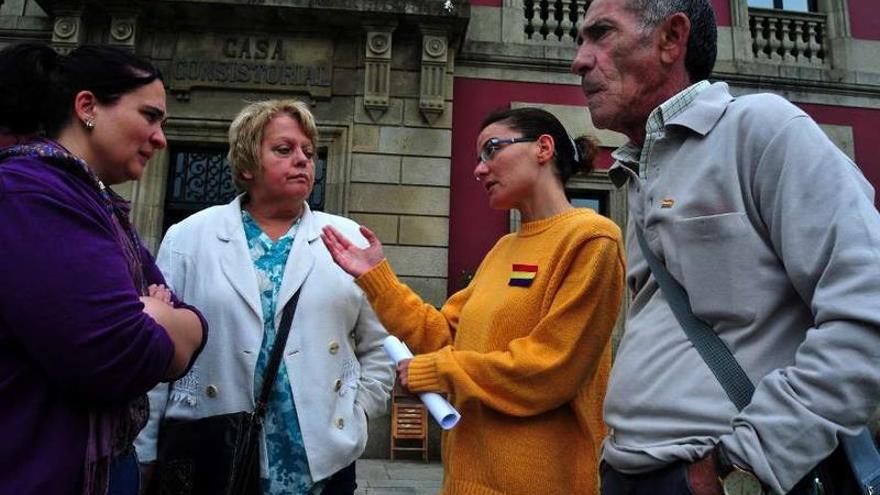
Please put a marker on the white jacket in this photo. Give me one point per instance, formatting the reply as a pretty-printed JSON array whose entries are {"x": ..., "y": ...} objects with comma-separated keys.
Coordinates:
[{"x": 338, "y": 370}]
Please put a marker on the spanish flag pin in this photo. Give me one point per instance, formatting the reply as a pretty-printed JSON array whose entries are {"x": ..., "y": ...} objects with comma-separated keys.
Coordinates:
[
  {"x": 522, "y": 275},
  {"x": 667, "y": 203}
]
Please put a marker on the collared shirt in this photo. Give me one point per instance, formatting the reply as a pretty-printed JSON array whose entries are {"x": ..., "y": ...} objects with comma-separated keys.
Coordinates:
[
  {"x": 288, "y": 465},
  {"x": 636, "y": 158}
]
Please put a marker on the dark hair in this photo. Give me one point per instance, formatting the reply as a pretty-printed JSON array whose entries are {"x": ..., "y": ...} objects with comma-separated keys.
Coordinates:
[
  {"x": 41, "y": 95},
  {"x": 702, "y": 46},
  {"x": 571, "y": 156},
  {"x": 24, "y": 84}
]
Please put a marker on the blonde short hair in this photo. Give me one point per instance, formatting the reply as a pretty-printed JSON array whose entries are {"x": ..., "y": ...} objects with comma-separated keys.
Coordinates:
[{"x": 246, "y": 134}]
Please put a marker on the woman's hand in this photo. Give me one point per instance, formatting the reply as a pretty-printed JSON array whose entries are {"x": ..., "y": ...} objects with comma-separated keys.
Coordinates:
[
  {"x": 182, "y": 325},
  {"x": 354, "y": 260},
  {"x": 160, "y": 292},
  {"x": 403, "y": 373},
  {"x": 157, "y": 303}
]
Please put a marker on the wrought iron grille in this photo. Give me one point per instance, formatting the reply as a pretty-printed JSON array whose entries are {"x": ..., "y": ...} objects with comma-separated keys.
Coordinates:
[{"x": 200, "y": 177}]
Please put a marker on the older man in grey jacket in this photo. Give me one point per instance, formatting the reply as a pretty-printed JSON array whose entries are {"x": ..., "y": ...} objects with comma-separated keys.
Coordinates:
[{"x": 774, "y": 235}]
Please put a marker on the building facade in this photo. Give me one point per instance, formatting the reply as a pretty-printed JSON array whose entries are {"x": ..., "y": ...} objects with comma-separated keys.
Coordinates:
[{"x": 399, "y": 88}]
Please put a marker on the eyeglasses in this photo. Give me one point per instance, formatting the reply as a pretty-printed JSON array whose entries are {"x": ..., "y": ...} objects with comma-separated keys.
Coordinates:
[{"x": 495, "y": 144}]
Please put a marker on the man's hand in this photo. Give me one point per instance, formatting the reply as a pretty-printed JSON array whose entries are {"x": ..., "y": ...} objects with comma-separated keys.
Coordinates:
[
  {"x": 702, "y": 477},
  {"x": 354, "y": 260}
]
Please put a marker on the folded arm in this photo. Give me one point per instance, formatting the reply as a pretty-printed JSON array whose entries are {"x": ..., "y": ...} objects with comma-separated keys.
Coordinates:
[{"x": 72, "y": 306}]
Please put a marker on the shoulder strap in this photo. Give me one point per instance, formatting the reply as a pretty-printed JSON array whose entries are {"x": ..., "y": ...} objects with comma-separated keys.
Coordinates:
[
  {"x": 275, "y": 357},
  {"x": 712, "y": 349}
]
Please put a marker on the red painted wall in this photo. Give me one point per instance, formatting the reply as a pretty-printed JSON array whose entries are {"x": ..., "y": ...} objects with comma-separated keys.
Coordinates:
[
  {"x": 865, "y": 122},
  {"x": 722, "y": 12},
  {"x": 474, "y": 227},
  {"x": 864, "y": 19}
]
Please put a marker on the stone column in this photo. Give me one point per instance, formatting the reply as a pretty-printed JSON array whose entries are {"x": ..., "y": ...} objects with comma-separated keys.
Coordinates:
[
  {"x": 432, "y": 93},
  {"x": 377, "y": 70},
  {"x": 148, "y": 200}
]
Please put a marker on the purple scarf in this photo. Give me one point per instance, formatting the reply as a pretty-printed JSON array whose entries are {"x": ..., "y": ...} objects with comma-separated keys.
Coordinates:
[{"x": 111, "y": 429}]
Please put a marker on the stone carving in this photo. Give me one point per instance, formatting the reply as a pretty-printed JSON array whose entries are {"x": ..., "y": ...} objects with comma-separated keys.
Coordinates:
[
  {"x": 380, "y": 43},
  {"x": 122, "y": 30},
  {"x": 432, "y": 93},
  {"x": 66, "y": 32},
  {"x": 435, "y": 46},
  {"x": 66, "y": 28},
  {"x": 377, "y": 72}
]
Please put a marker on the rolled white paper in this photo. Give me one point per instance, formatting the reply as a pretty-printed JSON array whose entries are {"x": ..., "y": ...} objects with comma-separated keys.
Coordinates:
[{"x": 442, "y": 411}]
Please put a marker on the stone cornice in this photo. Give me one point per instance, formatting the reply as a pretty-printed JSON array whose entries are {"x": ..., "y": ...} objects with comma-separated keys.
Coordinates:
[
  {"x": 534, "y": 63},
  {"x": 298, "y": 15}
]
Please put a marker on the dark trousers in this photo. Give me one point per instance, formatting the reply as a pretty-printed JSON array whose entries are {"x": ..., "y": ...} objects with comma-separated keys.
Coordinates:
[
  {"x": 124, "y": 475},
  {"x": 343, "y": 482},
  {"x": 670, "y": 480}
]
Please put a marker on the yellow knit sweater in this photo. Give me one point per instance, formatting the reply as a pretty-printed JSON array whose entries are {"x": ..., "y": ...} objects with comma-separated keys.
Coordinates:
[{"x": 526, "y": 365}]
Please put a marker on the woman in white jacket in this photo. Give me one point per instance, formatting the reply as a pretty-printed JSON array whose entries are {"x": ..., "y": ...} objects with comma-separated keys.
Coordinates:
[{"x": 239, "y": 264}]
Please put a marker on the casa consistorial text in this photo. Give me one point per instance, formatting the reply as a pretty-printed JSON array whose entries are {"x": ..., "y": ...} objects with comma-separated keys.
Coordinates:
[{"x": 253, "y": 62}]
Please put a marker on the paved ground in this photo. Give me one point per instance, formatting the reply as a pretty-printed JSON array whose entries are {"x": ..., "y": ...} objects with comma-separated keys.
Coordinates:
[{"x": 381, "y": 477}]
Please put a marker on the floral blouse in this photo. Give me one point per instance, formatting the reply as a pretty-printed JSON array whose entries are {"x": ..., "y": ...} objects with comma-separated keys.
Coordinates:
[{"x": 288, "y": 465}]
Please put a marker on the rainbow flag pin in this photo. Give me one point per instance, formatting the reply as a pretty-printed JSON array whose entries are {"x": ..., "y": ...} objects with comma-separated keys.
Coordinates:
[{"x": 522, "y": 275}]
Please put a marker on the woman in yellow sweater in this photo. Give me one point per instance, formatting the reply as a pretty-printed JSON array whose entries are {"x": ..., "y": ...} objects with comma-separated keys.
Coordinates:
[{"x": 523, "y": 351}]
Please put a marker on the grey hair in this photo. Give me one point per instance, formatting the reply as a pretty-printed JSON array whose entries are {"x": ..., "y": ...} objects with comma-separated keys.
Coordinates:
[{"x": 702, "y": 46}]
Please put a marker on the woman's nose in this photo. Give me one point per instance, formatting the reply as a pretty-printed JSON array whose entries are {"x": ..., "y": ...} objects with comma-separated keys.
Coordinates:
[
  {"x": 158, "y": 139},
  {"x": 480, "y": 170},
  {"x": 300, "y": 158}
]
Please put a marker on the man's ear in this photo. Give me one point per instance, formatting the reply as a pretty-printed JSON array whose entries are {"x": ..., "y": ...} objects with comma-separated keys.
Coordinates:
[
  {"x": 674, "y": 33},
  {"x": 84, "y": 105}
]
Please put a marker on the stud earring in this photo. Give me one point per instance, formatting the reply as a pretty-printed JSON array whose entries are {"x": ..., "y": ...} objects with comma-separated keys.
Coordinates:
[{"x": 89, "y": 123}]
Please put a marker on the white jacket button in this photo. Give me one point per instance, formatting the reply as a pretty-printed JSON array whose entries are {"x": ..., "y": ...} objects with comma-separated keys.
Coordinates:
[
  {"x": 337, "y": 385},
  {"x": 212, "y": 391},
  {"x": 340, "y": 423},
  {"x": 334, "y": 347}
]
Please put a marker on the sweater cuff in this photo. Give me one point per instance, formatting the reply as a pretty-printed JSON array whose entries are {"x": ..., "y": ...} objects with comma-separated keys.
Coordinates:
[
  {"x": 423, "y": 376},
  {"x": 376, "y": 280}
]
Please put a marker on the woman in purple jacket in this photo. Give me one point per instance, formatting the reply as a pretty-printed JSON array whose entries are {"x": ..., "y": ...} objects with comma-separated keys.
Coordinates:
[{"x": 86, "y": 324}]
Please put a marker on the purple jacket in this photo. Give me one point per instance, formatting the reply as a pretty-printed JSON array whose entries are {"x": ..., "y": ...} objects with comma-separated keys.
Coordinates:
[{"x": 73, "y": 334}]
